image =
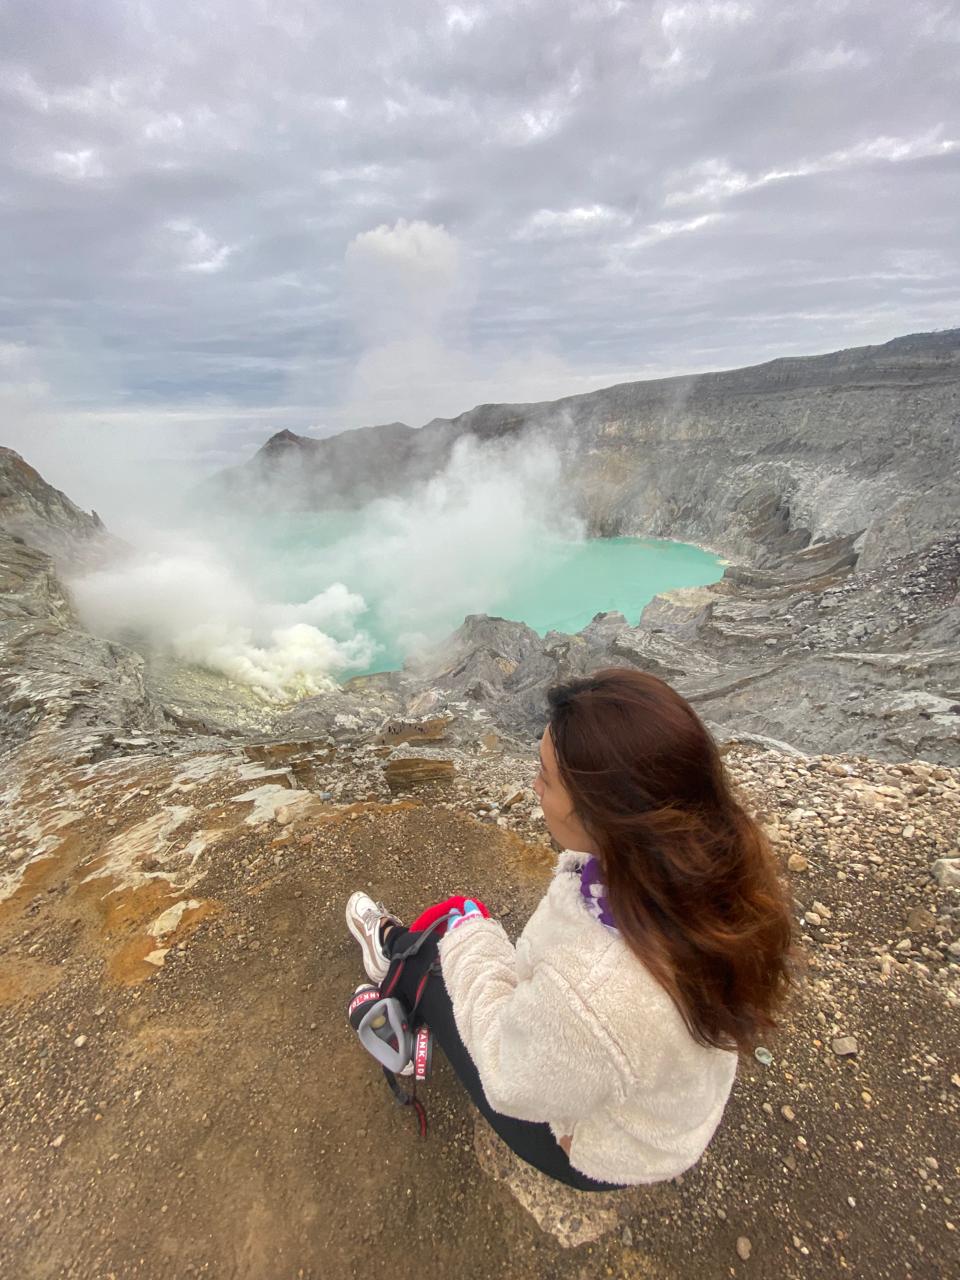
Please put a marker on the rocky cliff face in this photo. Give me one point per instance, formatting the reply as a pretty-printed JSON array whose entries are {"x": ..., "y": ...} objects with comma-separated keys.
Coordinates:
[
  {"x": 811, "y": 653},
  {"x": 761, "y": 460},
  {"x": 751, "y": 462},
  {"x": 830, "y": 482},
  {"x": 53, "y": 673},
  {"x": 47, "y": 519}
]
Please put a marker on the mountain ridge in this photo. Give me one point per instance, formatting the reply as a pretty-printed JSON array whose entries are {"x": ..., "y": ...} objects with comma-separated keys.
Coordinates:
[{"x": 857, "y": 441}]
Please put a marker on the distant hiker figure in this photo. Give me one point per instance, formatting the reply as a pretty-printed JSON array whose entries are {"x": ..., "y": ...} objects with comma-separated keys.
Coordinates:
[{"x": 602, "y": 1047}]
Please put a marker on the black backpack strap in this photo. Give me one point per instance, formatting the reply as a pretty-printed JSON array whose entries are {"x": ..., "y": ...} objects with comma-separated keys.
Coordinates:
[
  {"x": 424, "y": 934},
  {"x": 397, "y": 961},
  {"x": 386, "y": 989}
]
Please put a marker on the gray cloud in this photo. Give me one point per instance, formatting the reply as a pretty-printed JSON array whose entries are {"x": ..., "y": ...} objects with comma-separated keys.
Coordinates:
[{"x": 630, "y": 188}]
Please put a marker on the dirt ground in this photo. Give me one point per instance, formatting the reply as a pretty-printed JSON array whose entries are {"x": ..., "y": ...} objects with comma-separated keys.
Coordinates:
[{"x": 219, "y": 1119}]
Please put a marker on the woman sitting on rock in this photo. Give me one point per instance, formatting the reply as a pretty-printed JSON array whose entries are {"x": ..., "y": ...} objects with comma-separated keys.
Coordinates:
[{"x": 603, "y": 1047}]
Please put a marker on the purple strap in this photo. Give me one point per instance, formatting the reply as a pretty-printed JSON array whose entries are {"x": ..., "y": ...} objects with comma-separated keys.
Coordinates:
[{"x": 593, "y": 892}]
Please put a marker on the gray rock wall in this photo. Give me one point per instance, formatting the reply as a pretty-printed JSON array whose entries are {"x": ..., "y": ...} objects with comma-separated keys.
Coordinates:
[
  {"x": 46, "y": 518},
  {"x": 749, "y": 463},
  {"x": 54, "y": 673}
]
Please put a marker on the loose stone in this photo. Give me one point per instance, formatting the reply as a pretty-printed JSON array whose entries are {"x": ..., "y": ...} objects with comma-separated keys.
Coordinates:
[
  {"x": 946, "y": 872},
  {"x": 845, "y": 1046}
]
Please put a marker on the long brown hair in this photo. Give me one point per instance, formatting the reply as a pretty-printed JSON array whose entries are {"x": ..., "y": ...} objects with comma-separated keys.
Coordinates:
[{"x": 691, "y": 880}]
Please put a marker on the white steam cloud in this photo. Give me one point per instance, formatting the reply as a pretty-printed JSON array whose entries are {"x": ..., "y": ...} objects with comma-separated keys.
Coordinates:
[
  {"x": 457, "y": 544},
  {"x": 452, "y": 546},
  {"x": 410, "y": 290},
  {"x": 185, "y": 597},
  {"x": 403, "y": 569},
  {"x": 403, "y": 278}
]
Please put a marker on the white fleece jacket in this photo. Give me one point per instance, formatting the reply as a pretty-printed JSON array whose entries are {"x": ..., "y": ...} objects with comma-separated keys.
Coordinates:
[{"x": 570, "y": 1028}]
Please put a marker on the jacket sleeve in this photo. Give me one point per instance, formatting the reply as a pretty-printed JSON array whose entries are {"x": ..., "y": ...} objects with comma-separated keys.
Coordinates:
[{"x": 532, "y": 1040}]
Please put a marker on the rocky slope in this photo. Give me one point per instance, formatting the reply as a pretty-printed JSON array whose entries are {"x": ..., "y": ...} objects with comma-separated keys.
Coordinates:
[
  {"x": 829, "y": 481},
  {"x": 181, "y": 1094},
  {"x": 812, "y": 653},
  {"x": 751, "y": 462},
  {"x": 53, "y": 673},
  {"x": 46, "y": 518}
]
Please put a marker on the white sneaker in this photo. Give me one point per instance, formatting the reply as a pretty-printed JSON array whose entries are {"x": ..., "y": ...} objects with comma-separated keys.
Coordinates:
[{"x": 363, "y": 921}]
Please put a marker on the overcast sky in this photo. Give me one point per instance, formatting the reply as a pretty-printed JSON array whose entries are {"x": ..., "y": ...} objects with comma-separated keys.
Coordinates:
[{"x": 263, "y": 213}]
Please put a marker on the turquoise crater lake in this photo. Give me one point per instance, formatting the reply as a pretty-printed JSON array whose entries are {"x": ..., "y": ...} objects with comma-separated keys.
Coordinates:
[
  {"x": 601, "y": 574},
  {"x": 425, "y": 590}
]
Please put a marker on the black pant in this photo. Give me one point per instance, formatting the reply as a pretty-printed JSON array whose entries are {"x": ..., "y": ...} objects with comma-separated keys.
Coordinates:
[{"x": 531, "y": 1141}]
